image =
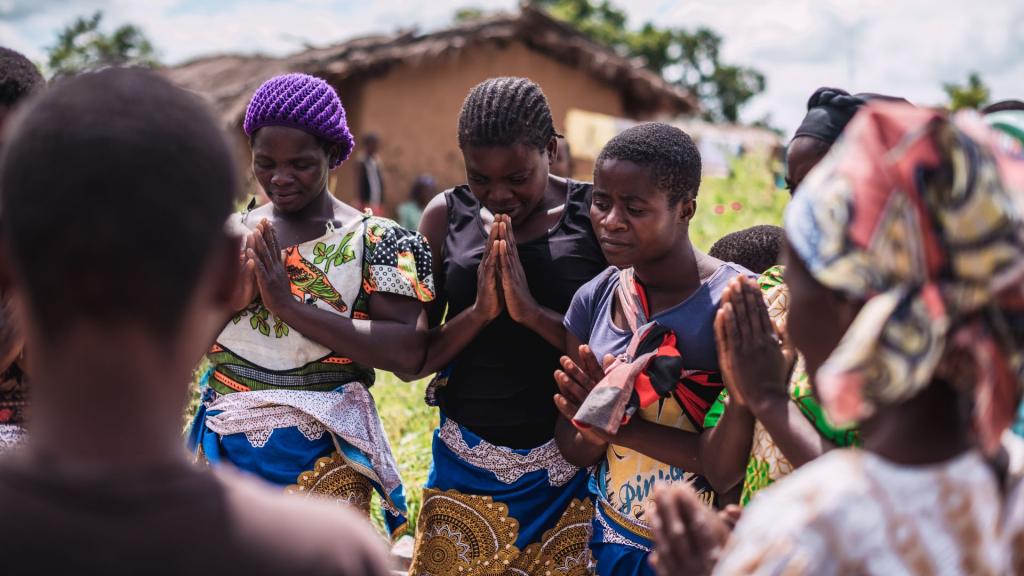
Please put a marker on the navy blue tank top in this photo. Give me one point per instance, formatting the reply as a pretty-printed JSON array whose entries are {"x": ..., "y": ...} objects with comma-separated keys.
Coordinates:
[{"x": 501, "y": 385}]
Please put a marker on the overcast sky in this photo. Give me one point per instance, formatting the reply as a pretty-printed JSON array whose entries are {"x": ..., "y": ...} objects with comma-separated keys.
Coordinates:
[{"x": 903, "y": 47}]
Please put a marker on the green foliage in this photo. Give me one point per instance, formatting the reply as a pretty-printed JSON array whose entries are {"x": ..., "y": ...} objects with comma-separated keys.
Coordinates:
[
  {"x": 601, "y": 21},
  {"x": 82, "y": 46},
  {"x": 747, "y": 198},
  {"x": 974, "y": 94},
  {"x": 734, "y": 86},
  {"x": 687, "y": 58},
  {"x": 467, "y": 14}
]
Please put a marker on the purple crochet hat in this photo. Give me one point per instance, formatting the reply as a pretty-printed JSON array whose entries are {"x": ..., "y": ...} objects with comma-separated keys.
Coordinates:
[{"x": 304, "y": 102}]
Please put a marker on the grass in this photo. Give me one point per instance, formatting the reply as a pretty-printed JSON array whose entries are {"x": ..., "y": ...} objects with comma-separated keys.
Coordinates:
[
  {"x": 410, "y": 425},
  {"x": 746, "y": 198}
]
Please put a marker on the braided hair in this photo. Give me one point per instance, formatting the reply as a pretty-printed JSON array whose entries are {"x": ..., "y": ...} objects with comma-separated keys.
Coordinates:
[{"x": 506, "y": 111}]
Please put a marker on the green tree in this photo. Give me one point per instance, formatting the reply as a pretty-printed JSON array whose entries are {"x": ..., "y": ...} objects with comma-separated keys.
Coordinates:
[
  {"x": 82, "y": 46},
  {"x": 601, "y": 21},
  {"x": 686, "y": 58},
  {"x": 470, "y": 13},
  {"x": 974, "y": 94}
]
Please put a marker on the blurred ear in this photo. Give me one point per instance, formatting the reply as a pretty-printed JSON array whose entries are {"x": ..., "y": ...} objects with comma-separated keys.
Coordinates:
[
  {"x": 552, "y": 150},
  {"x": 687, "y": 209},
  {"x": 333, "y": 154}
]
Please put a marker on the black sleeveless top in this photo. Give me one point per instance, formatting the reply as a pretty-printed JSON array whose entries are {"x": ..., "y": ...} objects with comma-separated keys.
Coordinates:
[{"x": 501, "y": 385}]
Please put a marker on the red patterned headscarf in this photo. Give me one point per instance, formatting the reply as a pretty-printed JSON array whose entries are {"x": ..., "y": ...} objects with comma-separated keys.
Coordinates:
[{"x": 920, "y": 216}]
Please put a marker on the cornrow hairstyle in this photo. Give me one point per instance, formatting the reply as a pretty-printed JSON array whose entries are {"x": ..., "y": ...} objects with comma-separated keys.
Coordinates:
[
  {"x": 668, "y": 152},
  {"x": 506, "y": 111},
  {"x": 19, "y": 77},
  {"x": 757, "y": 248}
]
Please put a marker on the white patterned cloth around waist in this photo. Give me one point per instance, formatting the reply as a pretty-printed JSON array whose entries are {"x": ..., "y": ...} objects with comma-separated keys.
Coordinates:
[
  {"x": 12, "y": 436},
  {"x": 506, "y": 464},
  {"x": 350, "y": 413}
]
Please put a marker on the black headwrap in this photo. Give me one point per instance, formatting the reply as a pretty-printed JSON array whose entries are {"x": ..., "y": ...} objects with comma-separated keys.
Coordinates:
[{"x": 829, "y": 110}]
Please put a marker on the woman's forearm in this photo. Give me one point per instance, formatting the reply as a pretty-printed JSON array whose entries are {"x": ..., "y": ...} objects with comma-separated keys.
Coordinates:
[
  {"x": 791, "y": 431},
  {"x": 672, "y": 446},
  {"x": 385, "y": 344},
  {"x": 725, "y": 448},
  {"x": 549, "y": 325},
  {"x": 447, "y": 340},
  {"x": 576, "y": 450}
]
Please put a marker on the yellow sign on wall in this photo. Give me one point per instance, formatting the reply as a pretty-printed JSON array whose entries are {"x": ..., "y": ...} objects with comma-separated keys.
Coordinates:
[{"x": 588, "y": 132}]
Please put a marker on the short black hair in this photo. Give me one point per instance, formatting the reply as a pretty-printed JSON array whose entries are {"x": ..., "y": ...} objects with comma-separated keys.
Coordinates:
[
  {"x": 504, "y": 112},
  {"x": 120, "y": 230},
  {"x": 670, "y": 153},
  {"x": 19, "y": 77},
  {"x": 757, "y": 248}
]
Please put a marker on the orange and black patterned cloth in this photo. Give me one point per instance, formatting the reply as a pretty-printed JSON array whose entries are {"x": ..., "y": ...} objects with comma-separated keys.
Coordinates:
[
  {"x": 338, "y": 273},
  {"x": 652, "y": 369},
  {"x": 290, "y": 410}
]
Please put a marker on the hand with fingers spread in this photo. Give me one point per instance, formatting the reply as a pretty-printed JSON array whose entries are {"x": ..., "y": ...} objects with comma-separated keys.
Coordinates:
[
  {"x": 574, "y": 384},
  {"x": 247, "y": 288},
  {"x": 514, "y": 288},
  {"x": 688, "y": 535},
  {"x": 271, "y": 275},
  {"x": 750, "y": 354},
  {"x": 489, "y": 302}
]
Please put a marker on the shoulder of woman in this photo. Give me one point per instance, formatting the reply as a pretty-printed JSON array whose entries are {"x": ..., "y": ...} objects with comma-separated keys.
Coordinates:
[
  {"x": 710, "y": 266},
  {"x": 578, "y": 185},
  {"x": 607, "y": 280},
  {"x": 434, "y": 221},
  {"x": 460, "y": 194},
  {"x": 241, "y": 223},
  {"x": 579, "y": 191},
  {"x": 439, "y": 203}
]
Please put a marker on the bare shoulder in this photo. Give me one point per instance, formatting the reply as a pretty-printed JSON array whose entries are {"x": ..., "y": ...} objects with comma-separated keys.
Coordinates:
[
  {"x": 434, "y": 223},
  {"x": 242, "y": 223},
  {"x": 309, "y": 532},
  {"x": 344, "y": 213},
  {"x": 707, "y": 265}
]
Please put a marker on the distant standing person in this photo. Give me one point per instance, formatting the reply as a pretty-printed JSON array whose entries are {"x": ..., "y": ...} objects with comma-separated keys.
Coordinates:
[
  {"x": 410, "y": 211},
  {"x": 371, "y": 180},
  {"x": 563, "y": 166}
]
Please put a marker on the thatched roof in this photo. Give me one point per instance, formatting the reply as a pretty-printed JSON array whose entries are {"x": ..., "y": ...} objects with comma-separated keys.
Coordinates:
[{"x": 230, "y": 80}]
